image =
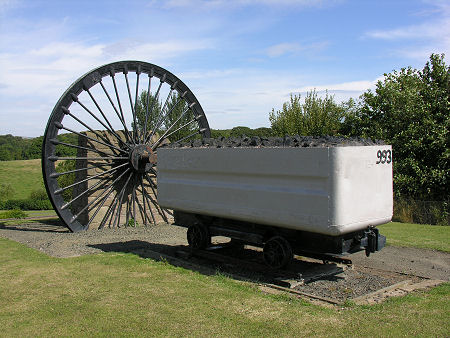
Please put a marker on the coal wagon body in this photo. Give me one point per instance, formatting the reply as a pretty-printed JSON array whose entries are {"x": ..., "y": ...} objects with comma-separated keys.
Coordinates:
[{"x": 308, "y": 201}]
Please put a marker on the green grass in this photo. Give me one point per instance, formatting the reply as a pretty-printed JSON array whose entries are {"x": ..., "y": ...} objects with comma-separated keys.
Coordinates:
[
  {"x": 434, "y": 237},
  {"x": 35, "y": 213},
  {"x": 24, "y": 176},
  {"x": 117, "y": 294}
]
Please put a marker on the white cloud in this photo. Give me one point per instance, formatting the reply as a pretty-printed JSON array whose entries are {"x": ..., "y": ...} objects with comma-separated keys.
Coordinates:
[
  {"x": 433, "y": 30},
  {"x": 294, "y": 48},
  {"x": 419, "y": 41},
  {"x": 32, "y": 79}
]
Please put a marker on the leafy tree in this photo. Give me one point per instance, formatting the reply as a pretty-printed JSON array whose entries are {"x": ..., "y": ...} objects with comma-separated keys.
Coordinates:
[
  {"x": 218, "y": 133},
  {"x": 178, "y": 122},
  {"x": 410, "y": 109},
  {"x": 316, "y": 116},
  {"x": 147, "y": 104},
  {"x": 174, "y": 119},
  {"x": 241, "y": 131}
]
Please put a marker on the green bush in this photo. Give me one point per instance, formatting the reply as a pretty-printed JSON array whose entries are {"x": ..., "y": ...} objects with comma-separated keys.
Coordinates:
[
  {"x": 26, "y": 204},
  {"x": 6, "y": 191},
  {"x": 421, "y": 212},
  {"x": 39, "y": 194},
  {"x": 15, "y": 213}
]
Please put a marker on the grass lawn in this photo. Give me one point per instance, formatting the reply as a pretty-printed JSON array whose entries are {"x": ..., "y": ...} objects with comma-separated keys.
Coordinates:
[
  {"x": 24, "y": 176},
  {"x": 435, "y": 237},
  {"x": 30, "y": 213},
  {"x": 116, "y": 294}
]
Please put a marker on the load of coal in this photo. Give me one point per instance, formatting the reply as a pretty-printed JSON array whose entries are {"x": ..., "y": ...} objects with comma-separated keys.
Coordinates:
[{"x": 276, "y": 142}]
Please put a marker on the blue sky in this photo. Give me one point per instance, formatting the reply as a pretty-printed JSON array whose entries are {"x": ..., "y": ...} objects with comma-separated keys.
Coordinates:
[{"x": 241, "y": 58}]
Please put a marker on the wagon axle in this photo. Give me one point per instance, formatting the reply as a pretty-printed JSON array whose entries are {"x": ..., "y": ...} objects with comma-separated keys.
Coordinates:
[{"x": 142, "y": 158}]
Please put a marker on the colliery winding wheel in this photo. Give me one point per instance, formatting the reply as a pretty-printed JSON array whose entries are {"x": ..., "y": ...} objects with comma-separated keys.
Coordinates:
[{"x": 99, "y": 155}]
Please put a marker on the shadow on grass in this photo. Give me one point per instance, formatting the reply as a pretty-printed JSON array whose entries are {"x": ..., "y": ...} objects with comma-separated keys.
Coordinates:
[
  {"x": 43, "y": 225},
  {"x": 239, "y": 263}
]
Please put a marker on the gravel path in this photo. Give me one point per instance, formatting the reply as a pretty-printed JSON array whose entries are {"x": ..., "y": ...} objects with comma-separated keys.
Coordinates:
[{"x": 382, "y": 269}]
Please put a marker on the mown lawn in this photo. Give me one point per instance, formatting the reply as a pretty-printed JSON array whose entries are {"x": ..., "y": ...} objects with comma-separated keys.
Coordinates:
[
  {"x": 436, "y": 237},
  {"x": 116, "y": 294},
  {"x": 23, "y": 175}
]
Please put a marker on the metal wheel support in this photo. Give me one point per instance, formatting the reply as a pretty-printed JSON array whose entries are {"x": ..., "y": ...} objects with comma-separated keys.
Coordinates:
[
  {"x": 99, "y": 154},
  {"x": 277, "y": 252},
  {"x": 198, "y": 236}
]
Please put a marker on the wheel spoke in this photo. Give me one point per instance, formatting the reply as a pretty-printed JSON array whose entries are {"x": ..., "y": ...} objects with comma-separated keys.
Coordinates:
[
  {"x": 109, "y": 211},
  {"x": 135, "y": 129},
  {"x": 144, "y": 195},
  {"x": 150, "y": 75},
  {"x": 99, "y": 196},
  {"x": 108, "y": 158},
  {"x": 111, "y": 74},
  {"x": 60, "y": 126},
  {"x": 119, "y": 211},
  {"x": 56, "y": 142},
  {"x": 155, "y": 99},
  {"x": 165, "y": 135},
  {"x": 111, "y": 129},
  {"x": 102, "y": 202},
  {"x": 67, "y": 112},
  {"x": 126, "y": 131},
  {"x": 58, "y": 191},
  {"x": 57, "y": 174},
  {"x": 189, "y": 136},
  {"x": 76, "y": 99},
  {"x": 158, "y": 208},
  {"x": 164, "y": 116},
  {"x": 138, "y": 73},
  {"x": 134, "y": 200}
]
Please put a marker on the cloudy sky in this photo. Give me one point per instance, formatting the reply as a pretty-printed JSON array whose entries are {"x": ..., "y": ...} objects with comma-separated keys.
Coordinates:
[{"x": 241, "y": 58}]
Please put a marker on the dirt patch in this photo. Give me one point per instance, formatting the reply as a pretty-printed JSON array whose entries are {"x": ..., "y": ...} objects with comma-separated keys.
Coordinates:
[{"x": 392, "y": 271}]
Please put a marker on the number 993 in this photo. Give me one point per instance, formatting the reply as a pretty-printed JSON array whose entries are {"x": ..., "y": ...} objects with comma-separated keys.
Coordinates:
[{"x": 384, "y": 156}]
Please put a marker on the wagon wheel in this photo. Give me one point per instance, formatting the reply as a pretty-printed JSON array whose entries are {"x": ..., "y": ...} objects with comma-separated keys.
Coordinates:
[
  {"x": 99, "y": 154},
  {"x": 277, "y": 252}
]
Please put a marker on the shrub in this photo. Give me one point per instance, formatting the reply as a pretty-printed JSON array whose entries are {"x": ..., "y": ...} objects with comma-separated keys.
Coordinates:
[
  {"x": 6, "y": 191},
  {"x": 15, "y": 213},
  {"x": 422, "y": 212},
  {"x": 39, "y": 194},
  {"x": 26, "y": 204}
]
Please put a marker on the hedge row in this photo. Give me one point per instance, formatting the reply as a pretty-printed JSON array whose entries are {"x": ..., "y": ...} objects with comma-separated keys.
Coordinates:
[{"x": 26, "y": 204}]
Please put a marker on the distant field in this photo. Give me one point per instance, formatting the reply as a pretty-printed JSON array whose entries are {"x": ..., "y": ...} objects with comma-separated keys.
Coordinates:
[{"x": 24, "y": 176}]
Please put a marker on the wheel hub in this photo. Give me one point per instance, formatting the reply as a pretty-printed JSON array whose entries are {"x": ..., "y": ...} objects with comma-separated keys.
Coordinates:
[{"x": 142, "y": 158}]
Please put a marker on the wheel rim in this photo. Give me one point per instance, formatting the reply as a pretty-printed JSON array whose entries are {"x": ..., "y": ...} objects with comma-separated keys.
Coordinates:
[
  {"x": 99, "y": 154},
  {"x": 277, "y": 252},
  {"x": 197, "y": 237}
]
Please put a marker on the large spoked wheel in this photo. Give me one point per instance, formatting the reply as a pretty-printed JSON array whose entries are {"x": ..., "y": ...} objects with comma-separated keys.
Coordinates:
[
  {"x": 277, "y": 252},
  {"x": 99, "y": 155}
]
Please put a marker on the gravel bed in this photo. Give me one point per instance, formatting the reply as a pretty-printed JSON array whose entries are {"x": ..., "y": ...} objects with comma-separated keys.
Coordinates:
[{"x": 351, "y": 283}]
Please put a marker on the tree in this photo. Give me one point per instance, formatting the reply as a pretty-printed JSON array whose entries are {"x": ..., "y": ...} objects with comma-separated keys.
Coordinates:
[
  {"x": 147, "y": 105},
  {"x": 316, "y": 116},
  {"x": 173, "y": 118},
  {"x": 180, "y": 121},
  {"x": 410, "y": 109}
]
